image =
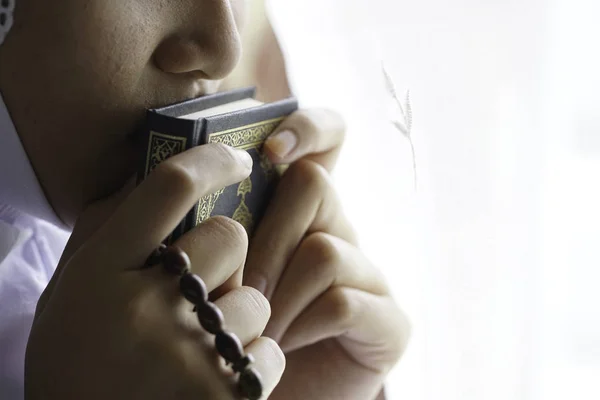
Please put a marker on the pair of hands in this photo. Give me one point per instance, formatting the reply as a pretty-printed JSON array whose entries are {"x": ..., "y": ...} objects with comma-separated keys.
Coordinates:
[{"x": 321, "y": 326}]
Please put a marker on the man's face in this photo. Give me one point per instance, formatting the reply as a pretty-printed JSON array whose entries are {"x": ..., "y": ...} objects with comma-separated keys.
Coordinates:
[{"x": 77, "y": 76}]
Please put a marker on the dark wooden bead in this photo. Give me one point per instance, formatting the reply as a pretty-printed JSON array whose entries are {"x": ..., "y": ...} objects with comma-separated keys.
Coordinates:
[
  {"x": 250, "y": 384},
  {"x": 193, "y": 289},
  {"x": 242, "y": 364},
  {"x": 229, "y": 347},
  {"x": 176, "y": 261},
  {"x": 211, "y": 317},
  {"x": 156, "y": 257}
]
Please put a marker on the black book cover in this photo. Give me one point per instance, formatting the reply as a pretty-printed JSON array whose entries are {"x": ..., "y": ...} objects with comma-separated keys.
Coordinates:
[{"x": 167, "y": 134}]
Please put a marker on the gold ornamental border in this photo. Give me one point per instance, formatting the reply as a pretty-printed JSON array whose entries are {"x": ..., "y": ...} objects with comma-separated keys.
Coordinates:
[
  {"x": 246, "y": 137},
  {"x": 154, "y": 136}
]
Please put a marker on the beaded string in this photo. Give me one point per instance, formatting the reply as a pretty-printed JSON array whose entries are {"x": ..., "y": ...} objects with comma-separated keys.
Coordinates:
[{"x": 176, "y": 262}]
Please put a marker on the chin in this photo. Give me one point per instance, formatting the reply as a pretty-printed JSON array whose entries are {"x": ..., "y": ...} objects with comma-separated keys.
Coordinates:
[{"x": 113, "y": 171}]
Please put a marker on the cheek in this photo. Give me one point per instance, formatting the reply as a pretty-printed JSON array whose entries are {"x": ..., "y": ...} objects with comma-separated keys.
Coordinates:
[
  {"x": 78, "y": 88},
  {"x": 94, "y": 62},
  {"x": 113, "y": 46}
]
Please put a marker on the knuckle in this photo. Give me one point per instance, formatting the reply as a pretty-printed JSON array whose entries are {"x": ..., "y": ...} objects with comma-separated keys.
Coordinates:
[
  {"x": 228, "y": 230},
  {"x": 309, "y": 175},
  {"x": 322, "y": 257},
  {"x": 306, "y": 121},
  {"x": 343, "y": 308},
  {"x": 323, "y": 249},
  {"x": 318, "y": 120},
  {"x": 175, "y": 177}
]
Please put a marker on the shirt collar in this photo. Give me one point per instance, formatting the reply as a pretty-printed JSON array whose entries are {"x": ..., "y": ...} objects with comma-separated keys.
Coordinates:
[{"x": 19, "y": 186}]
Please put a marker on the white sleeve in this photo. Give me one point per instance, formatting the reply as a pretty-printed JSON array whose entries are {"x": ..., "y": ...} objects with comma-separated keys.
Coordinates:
[{"x": 23, "y": 277}]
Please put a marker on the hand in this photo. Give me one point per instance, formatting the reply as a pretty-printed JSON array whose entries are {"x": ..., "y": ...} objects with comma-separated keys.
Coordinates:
[
  {"x": 109, "y": 329},
  {"x": 332, "y": 312}
]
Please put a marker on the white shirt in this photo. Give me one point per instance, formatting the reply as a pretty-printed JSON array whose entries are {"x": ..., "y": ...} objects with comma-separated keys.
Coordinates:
[{"x": 31, "y": 242}]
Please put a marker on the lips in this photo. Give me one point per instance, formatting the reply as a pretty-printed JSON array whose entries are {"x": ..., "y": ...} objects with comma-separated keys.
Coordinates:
[
  {"x": 203, "y": 88},
  {"x": 180, "y": 87},
  {"x": 176, "y": 88}
]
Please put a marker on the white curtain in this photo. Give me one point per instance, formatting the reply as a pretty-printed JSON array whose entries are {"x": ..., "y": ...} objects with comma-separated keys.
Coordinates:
[{"x": 495, "y": 255}]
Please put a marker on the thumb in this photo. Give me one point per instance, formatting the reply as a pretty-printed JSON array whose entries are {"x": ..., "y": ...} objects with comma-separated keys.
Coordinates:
[{"x": 88, "y": 222}]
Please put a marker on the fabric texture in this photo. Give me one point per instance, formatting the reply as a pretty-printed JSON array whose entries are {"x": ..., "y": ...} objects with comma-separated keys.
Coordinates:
[
  {"x": 25, "y": 270},
  {"x": 19, "y": 186},
  {"x": 6, "y": 17},
  {"x": 32, "y": 238}
]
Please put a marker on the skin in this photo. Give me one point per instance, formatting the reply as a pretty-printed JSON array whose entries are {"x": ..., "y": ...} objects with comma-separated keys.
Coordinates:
[
  {"x": 85, "y": 84},
  {"x": 76, "y": 92},
  {"x": 332, "y": 312}
]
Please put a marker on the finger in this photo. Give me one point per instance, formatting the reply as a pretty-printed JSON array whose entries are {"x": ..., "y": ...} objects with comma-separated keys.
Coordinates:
[
  {"x": 305, "y": 202},
  {"x": 270, "y": 363},
  {"x": 158, "y": 204},
  {"x": 246, "y": 313},
  {"x": 366, "y": 326},
  {"x": 217, "y": 249},
  {"x": 321, "y": 261},
  {"x": 316, "y": 134}
]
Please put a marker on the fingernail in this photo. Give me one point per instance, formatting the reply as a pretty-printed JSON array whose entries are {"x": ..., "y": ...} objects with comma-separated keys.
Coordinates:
[
  {"x": 283, "y": 143},
  {"x": 246, "y": 158},
  {"x": 258, "y": 282}
]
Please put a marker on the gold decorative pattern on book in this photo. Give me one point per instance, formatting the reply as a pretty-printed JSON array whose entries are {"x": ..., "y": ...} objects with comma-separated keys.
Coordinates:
[
  {"x": 242, "y": 214},
  {"x": 161, "y": 147},
  {"x": 207, "y": 205},
  {"x": 245, "y": 137}
]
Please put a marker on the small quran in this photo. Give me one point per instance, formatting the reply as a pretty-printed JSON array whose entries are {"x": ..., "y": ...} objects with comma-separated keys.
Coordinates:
[{"x": 233, "y": 118}]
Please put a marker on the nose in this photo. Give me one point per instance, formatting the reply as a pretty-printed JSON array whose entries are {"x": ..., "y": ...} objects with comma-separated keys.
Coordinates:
[{"x": 207, "y": 43}]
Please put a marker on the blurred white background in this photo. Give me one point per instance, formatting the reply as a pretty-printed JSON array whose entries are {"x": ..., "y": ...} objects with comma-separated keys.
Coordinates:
[{"x": 495, "y": 256}]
